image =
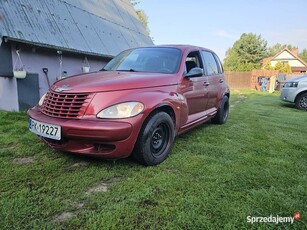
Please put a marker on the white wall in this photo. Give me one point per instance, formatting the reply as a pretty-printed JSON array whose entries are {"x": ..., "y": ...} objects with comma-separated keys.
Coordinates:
[
  {"x": 35, "y": 60},
  {"x": 8, "y": 94}
]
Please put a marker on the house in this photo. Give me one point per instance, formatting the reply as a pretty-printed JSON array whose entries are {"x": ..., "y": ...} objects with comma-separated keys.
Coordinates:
[
  {"x": 290, "y": 57},
  {"x": 44, "y": 40}
]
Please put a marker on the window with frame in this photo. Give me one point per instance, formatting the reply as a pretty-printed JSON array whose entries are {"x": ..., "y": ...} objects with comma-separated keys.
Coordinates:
[
  {"x": 210, "y": 63},
  {"x": 219, "y": 64},
  {"x": 193, "y": 60}
]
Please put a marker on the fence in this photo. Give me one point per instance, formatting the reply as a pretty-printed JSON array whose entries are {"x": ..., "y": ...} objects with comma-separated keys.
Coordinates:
[
  {"x": 239, "y": 80},
  {"x": 249, "y": 80}
]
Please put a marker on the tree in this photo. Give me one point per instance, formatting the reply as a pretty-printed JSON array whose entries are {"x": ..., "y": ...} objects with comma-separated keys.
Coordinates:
[
  {"x": 303, "y": 55},
  {"x": 286, "y": 69},
  {"x": 268, "y": 66},
  {"x": 283, "y": 68},
  {"x": 246, "y": 53}
]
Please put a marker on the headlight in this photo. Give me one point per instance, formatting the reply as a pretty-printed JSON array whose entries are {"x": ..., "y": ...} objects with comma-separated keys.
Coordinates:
[
  {"x": 122, "y": 110},
  {"x": 40, "y": 103},
  {"x": 291, "y": 84}
]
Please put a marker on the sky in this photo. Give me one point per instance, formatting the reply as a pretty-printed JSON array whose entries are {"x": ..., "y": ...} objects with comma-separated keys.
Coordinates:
[{"x": 217, "y": 24}]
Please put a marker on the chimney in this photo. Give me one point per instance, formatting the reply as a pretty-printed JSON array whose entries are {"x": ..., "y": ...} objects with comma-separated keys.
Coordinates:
[{"x": 295, "y": 51}]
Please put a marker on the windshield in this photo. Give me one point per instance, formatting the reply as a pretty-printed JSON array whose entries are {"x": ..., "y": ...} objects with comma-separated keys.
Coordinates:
[{"x": 153, "y": 59}]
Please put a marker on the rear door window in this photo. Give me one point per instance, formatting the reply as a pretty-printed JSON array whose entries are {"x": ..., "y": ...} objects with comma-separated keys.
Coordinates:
[{"x": 210, "y": 63}]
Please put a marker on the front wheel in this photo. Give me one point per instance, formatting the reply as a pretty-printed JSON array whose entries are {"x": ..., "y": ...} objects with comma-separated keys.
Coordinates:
[
  {"x": 222, "y": 112},
  {"x": 301, "y": 101},
  {"x": 155, "y": 139}
]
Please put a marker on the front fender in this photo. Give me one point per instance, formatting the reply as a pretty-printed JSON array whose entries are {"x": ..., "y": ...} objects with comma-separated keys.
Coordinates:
[{"x": 152, "y": 98}]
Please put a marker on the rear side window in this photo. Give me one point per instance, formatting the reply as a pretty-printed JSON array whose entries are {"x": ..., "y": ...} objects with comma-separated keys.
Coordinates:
[
  {"x": 219, "y": 64},
  {"x": 210, "y": 63}
]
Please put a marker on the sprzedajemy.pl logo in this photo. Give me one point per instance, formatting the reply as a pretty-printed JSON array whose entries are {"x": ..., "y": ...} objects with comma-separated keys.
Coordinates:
[{"x": 273, "y": 219}]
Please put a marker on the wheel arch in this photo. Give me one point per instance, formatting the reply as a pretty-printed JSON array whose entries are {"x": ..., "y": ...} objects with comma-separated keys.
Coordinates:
[
  {"x": 163, "y": 108},
  {"x": 299, "y": 94}
]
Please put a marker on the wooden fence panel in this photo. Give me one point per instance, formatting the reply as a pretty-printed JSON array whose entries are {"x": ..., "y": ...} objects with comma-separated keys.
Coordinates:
[{"x": 239, "y": 80}]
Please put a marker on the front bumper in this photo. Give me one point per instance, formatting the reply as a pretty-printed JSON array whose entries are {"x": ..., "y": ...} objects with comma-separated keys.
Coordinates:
[
  {"x": 92, "y": 136},
  {"x": 288, "y": 94}
]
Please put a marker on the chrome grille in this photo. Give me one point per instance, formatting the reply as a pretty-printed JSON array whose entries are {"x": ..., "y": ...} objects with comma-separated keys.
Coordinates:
[{"x": 65, "y": 105}]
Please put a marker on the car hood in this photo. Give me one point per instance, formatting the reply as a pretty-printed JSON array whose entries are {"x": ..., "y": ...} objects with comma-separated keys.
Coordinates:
[
  {"x": 301, "y": 78},
  {"x": 102, "y": 81}
]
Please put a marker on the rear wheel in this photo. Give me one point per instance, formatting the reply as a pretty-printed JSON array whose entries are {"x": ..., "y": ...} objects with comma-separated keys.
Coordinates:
[
  {"x": 222, "y": 113},
  {"x": 301, "y": 101},
  {"x": 155, "y": 139}
]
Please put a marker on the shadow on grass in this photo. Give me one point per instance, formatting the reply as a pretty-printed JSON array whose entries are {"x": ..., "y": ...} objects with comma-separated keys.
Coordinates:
[
  {"x": 91, "y": 160},
  {"x": 195, "y": 130},
  {"x": 287, "y": 105},
  {"x": 128, "y": 161}
]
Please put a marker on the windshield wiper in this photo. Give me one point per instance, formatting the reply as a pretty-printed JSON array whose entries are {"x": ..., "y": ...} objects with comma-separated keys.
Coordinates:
[{"x": 127, "y": 70}]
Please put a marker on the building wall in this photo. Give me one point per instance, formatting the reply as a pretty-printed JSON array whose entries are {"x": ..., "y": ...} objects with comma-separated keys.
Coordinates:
[
  {"x": 8, "y": 85},
  {"x": 8, "y": 94},
  {"x": 286, "y": 56},
  {"x": 292, "y": 63},
  {"x": 35, "y": 60}
]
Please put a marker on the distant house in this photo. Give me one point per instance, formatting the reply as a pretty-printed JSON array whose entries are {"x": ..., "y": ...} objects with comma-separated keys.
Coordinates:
[
  {"x": 290, "y": 57},
  {"x": 46, "y": 40}
]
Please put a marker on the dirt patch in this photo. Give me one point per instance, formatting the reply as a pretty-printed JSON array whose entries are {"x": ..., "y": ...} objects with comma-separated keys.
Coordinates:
[
  {"x": 23, "y": 160},
  {"x": 62, "y": 217},
  {"x": 240, "y": 98},
  {"x": 103, "y": 186},
  {"x": 80, "y": 164},
  {"x": 79, "y": 206}
]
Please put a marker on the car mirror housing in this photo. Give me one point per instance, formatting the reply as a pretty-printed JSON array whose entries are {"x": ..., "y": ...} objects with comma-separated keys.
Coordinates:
[{"x": 194, "y": 72}]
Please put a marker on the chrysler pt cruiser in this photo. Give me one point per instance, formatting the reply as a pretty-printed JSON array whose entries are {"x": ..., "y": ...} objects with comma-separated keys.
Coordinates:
[{"x": 136, "y": 104}]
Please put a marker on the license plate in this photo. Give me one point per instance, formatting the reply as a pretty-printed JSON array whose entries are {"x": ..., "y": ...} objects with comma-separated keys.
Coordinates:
[{"x": 45, "y": 130}]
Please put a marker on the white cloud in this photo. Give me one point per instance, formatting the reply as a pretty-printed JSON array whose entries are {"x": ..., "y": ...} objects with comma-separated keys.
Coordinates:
[{"x": 224, "y": 34}]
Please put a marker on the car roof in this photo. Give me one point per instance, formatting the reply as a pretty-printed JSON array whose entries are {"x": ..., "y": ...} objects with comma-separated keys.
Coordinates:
[{"x": 179, "y": 46}]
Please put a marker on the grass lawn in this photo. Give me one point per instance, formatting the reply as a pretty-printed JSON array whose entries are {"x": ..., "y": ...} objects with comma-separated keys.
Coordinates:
[{"x": 215, "y": 177}]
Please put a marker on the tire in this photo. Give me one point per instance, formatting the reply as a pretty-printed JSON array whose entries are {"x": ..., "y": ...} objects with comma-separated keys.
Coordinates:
[
  {"x": 301, "y": 101},
  {"x": 222, "y": 113},
  {"x": 155, "y": 139}
]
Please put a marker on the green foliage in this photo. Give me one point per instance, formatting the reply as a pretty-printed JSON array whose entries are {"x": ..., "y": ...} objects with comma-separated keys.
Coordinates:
[
  {"x": 141, "y": 15},
  {"x": 246, "y": 53},
  {"x": 303, "y": 55},
  {"x": 144, "y": 19},
  {"x": 273, "y": 50},
  {"x": 278, "y": 65},
  {"x": 214, "y": 178},
  {"x": 283, "y": 68},
  {"x": 268, "y": 66},
  {"x": 286, "y": 69}
]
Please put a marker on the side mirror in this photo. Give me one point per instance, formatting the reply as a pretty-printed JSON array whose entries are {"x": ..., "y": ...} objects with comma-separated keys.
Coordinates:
[{"x": 194, "y": 72}]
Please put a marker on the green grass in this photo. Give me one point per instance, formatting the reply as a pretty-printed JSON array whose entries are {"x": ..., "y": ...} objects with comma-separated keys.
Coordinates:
[{"x": 216, "y": 176}]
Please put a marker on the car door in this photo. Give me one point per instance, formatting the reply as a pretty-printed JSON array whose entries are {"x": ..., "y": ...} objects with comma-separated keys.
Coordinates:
[
  {"x": 194, "y": 89},
  {"x": 214, "y": 72}
]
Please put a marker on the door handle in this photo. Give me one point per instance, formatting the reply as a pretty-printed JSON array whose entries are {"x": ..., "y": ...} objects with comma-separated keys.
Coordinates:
[
  {"x": 206, "y": 83},
  {"x": 221, "y": 80}
]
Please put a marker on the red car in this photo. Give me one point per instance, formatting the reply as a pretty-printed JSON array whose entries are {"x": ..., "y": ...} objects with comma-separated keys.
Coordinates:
[{"x": 136, "y": 104}]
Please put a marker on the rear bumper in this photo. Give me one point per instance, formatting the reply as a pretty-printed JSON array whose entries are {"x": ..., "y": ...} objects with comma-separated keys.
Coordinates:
[{"x": 92, "y": 136}]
